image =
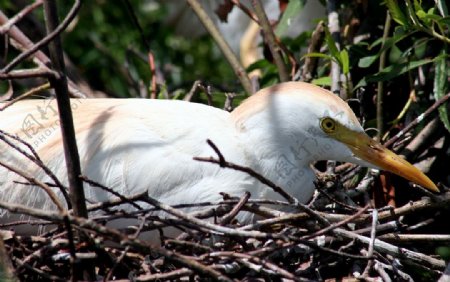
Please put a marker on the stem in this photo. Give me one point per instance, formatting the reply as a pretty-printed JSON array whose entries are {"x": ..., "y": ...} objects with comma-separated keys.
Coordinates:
[
  {"x": 334, "y": 27},
  {"x": 380, "y": 94}
]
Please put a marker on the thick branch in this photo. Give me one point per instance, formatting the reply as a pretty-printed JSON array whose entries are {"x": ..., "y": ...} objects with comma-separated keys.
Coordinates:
[{"x": 59, "y": 83}]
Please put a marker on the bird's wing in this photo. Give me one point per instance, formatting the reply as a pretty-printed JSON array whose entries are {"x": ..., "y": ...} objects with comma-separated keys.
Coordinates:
[{"x": 130, "y": 145}]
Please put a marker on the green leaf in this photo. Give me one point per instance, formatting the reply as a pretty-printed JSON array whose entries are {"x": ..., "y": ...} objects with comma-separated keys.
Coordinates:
[
  {"x": 317, "y": 55},
  {"x": 442, "y": 7},
  {"x": 417, "y": 6},
  {"x": 260, "y": 64},
  {"x": 332, "y": 46},
  {"x": 366, "y": 62},
  {"x": 293, "y": 10},
  {"x": 396, "y": 12},
  {"x": 322, "y": 81},
  {"x": 345, "y": 61},
  {"x": 397, "y": 56},
  {"x": 393, "y": 71},
  {"x": 423, "y": 17},
  {"x": 441, "y": 86}
]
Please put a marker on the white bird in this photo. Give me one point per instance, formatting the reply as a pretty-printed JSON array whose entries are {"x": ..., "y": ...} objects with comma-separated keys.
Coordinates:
[{"x": 136, "y": 145}]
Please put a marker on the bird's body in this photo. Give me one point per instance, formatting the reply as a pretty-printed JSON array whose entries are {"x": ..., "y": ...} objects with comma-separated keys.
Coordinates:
[{"x": 134, "y": 145}]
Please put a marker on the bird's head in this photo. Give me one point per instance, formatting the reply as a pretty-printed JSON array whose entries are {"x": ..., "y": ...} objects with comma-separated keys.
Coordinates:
[{"x": 324, "y": 126}]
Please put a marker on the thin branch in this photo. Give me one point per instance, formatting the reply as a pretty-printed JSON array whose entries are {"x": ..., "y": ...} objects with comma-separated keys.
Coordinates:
[
  {"x": 12, "y": 21},
  {"x": 31, "y": 92},
  {"x": 417, "y": 120},
  {"x": 146, "y": 43},
  {"x": 20, "y": 41},
  {"x": 209, "y": 226},
  {"x": 395, "y": 251},
  {"x": 229, "y": 216},
  {"x": 246, "y": 10},
  {"x": 269, "y": 36},
  {"x": 49, "y": 37},
  {"x": 223, "y": 45},
  {"x": 34, "y": 157},
  {"x": 109, "y": 190},
  {"x": 292, "y": 200},
  {"x": 309, "y": 68},
  {"x": 27, "y": 73},
  {"x": 38, "y": 183},
  {"x": 116, "y": 236}
]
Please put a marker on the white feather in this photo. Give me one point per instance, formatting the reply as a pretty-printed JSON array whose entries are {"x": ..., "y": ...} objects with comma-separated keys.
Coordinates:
[{"x": 134, "y": 145}]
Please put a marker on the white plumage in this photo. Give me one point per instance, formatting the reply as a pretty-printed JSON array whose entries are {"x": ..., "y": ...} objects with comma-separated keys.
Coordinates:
[{"x": 134, "y": 145}]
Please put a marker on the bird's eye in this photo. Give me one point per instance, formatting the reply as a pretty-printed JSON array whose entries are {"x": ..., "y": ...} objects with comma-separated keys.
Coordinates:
[{"x": 328, "y": 125}]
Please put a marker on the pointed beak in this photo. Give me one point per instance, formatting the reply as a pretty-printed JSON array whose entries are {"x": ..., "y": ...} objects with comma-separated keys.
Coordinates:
[{"x": 369, "y": 150}]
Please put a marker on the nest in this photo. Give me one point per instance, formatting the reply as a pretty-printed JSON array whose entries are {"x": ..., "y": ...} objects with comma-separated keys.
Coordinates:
[{"x": 338, "y": 235}]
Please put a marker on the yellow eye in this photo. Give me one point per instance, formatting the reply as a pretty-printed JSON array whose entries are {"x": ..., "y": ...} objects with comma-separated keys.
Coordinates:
[{"x": 328, "y": 125}]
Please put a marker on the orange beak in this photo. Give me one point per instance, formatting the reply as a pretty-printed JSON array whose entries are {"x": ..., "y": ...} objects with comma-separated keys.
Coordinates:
[{"x": 373, "y": 152}]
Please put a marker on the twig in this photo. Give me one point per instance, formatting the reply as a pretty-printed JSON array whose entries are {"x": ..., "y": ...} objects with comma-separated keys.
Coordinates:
[
  {"x": 23, "y": 43},
  {"x": 402, "y": 274},
  {"x": 187, "y": 244},
  {"x": 388, "y": 226},
  {"x": 27, "y": 73},
  {"x": 416, "y": 238},
  {"x": 167, "y": 276},
  {"x": 259, "y": 261},
  {"x": 40, "y": 272},
  {"x": 229, "y": 216},
  {"x": 52, "y": 245},
  {"x": 109, "y": 190},
  {"x": 12, "y": 21},
  {"x": 417, "y": 120},
  {"x": 322, "y": 191},
  {"x": 395, "y": 251},
  {"x": 195, "y": 87},
  {"x": 269, "y": 36},
  {"x": 146, "y": 43},
  {"x": 383, "y": 274},
  {"x": 338, "y": 224},
  {"x": 49, "y": 37},
  {"x": 422, "y": 140},
  {"x": 373, "y": 232},
  {"x": 246, "y": 10},
  {"x": 209, "y": 226},
  {"x": 228, "y": 105},
  {"x": 34, "y": 157},
  {"x": 6, "y": 268},
  {"x": 31, "y": 92},
  {"x": 221, "y": 161},
  {"x": 117, "y": 236},
  {"x": 116, "y": 202},
  {"x": 223, "y": 45},
  {"x": 38, "y": 183},
  {"x": 309, "y": 68}
]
